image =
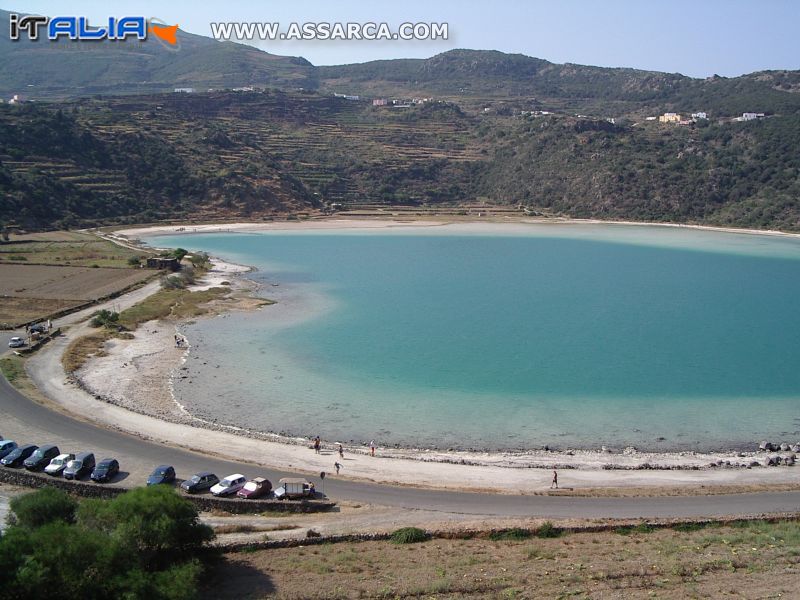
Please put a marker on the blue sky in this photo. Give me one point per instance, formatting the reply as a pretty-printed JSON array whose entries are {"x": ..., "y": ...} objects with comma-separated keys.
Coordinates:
[{"x": 700, "y": 38}]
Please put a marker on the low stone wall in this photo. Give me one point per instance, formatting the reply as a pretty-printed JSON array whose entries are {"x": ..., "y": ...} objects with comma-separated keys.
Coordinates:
[
  {"x": 86, "y": 489},
  {"x": 493, "y": 534}
]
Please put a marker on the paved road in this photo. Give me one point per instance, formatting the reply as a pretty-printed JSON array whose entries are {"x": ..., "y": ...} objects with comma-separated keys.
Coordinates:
[{"x": 22, "y": 416}]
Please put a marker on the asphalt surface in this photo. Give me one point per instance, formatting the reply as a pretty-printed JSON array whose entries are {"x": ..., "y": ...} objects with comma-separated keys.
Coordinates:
[{"x": 22, "y": 415}]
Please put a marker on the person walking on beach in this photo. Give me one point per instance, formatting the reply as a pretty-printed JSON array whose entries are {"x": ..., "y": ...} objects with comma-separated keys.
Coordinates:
[
  {"x": 316, "y": 444},
  {"x": 555, "y": 480},
  {"x": 372, "y": 448},
  {"x": 341, "y": 451},
  {"x": 337, "y": 466}
]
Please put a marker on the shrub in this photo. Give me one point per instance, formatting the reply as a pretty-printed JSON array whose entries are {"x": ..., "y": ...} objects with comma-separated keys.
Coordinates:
[
  {"x": 154, "y": 521},
  {"x": 134, "y": 261},
  {"x": 511, "y": 534},
  {"x": 146, "y": 543},
  {"x": 409, "y": 535},
  {"x": 104, "y": 318},
  {"x": 44, "y": 506},
  {"x": 548, "y": 530}
]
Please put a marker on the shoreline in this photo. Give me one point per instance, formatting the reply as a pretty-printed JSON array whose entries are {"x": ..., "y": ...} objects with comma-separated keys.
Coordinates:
[
  {"x": 333, "y": 223},
  {"x": 567, "y": 458}
]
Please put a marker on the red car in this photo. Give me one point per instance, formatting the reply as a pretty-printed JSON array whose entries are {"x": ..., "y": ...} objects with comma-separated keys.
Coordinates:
[{"x": 255, "y": 488}]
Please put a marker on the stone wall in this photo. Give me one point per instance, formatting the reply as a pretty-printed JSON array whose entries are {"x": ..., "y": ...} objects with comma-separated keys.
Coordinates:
[{"x": 204, "y": 502}]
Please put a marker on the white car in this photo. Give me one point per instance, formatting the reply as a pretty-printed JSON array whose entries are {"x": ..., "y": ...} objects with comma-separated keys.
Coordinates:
[
  {"x": 230, "y": 485},
  {"x": 58, "y": 464},
  {"x": 16, "y": 342}
]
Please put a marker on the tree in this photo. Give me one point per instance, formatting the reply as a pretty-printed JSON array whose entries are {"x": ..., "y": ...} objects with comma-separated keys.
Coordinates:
[
  {"x": 156, "y": 522},
  {"x": 146, "y": 543},
  {"x": 45, "y": 506}
]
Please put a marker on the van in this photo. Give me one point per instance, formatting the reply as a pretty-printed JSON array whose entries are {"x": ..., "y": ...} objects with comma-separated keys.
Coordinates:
[
  {"x": 80, "y": 466},
  {"x": 42, "y": 457}
]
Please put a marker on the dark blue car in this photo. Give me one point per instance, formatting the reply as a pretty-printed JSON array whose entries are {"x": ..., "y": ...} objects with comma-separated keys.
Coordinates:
[
  {"x": 16, "y": 457},
  {"x": 161, "y": 474},
  {"x": 105, "y": 470}
]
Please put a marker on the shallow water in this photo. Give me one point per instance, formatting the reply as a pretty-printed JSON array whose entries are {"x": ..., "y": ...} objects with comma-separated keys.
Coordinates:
[{"x": 508, "y": 337}]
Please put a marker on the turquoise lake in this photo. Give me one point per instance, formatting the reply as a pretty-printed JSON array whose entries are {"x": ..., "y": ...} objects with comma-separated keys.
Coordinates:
[{"x": 509, "y": 337}]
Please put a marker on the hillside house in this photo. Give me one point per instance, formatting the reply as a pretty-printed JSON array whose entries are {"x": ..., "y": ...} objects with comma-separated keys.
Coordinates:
[
  {"x": 750, "y": 116},
  {"x": 669, "y": 117}
]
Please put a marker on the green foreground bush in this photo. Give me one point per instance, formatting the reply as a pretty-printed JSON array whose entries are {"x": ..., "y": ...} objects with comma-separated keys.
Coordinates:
[
  {"x": 146, "y": 543},
  {"x": 409, "y": 535}
]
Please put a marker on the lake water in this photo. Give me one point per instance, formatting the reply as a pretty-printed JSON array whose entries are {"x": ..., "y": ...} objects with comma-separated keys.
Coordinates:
[{"x": 507, "y": 338}]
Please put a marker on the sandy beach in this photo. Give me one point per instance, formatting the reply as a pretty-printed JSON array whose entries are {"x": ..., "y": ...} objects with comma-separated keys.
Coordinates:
[
  {"x": 127, "y": 235},
  {"x": 141, "y": 402}
]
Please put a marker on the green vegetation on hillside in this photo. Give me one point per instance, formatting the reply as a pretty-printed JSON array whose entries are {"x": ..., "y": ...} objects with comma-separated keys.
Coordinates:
[{"x": 262, "y": 154}]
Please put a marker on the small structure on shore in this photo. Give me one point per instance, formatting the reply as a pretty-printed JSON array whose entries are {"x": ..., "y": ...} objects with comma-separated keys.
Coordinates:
[{"x": 160, "y": 262}]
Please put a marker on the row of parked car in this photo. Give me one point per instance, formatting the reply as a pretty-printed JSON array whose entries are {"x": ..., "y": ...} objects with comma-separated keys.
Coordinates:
[{"x": 49, "y": 459}]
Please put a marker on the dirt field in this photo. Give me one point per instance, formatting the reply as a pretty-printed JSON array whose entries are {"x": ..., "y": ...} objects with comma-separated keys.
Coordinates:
[
  {"x": 33, "y": 291},
  {"x": 64, "y": 248},
  {"x": 757, "y": 560}
]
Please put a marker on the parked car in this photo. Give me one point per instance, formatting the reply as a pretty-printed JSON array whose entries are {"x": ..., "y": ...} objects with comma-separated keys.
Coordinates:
[
  {"x": 41, "y": 457},
  {"x": 200, "y": 482},
  {"x": 83, "y": 464},
  {"x": 294, "y": 487},
  {"x": 16, "y": 342},
  {"x": 6, "y": 447},
  {"x": 58, "y": 464},
  {"x": 16, "y": 457},
  {"x": 105, "y": 470},
  {"x": 255, "y": 488},
  {"x": 161, "y": 474},
  {"x": 230, "y": 485}
]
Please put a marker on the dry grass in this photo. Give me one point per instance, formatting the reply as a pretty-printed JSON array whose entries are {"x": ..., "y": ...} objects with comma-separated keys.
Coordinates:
[
  {"x": 751, "y": 560},
  {"x": 249, "y": 528}
]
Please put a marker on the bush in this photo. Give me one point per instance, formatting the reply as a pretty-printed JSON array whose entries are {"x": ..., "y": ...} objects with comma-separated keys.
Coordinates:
[
  {"x": 155, "y": 521},
  {"x": 42, "y": 507},
  {"x": 104, "y": 318},
  {"x": 409, "y": 535},
  {"x": 134, "y": 261},
  {"x": 510, "y": 534},
  {"x": 548, "y": 530},
  {"x": 146, "y": 543}
]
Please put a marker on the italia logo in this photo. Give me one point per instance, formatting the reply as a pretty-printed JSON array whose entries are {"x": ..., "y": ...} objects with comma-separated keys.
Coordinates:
[{"x": 79, "y": 29}]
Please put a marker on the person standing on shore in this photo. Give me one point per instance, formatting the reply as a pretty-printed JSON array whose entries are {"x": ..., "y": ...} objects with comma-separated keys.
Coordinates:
[
  {"x": 372, "y": 448},
  {"x": 316, "y": 444},
  {"x": 555, "y": 480},
  {"x": 341, "y": 451}
]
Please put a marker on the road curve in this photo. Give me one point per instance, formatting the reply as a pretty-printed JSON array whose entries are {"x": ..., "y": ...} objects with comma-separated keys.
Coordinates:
[{"x": 61, "y": 429}]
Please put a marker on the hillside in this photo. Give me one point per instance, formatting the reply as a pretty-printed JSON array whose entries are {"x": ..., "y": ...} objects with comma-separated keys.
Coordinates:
[
  {"x": 43, "y": 70},
  {"x": 64, "y": 69},
  {"x": 262, "y": 154}
]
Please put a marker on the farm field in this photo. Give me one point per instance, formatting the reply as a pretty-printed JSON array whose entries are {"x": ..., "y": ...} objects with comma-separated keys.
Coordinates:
[
  {"x": 28, "y": 292},
  {"x": 748, "y": 560},
  {"x": 64, "y": 248}
]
